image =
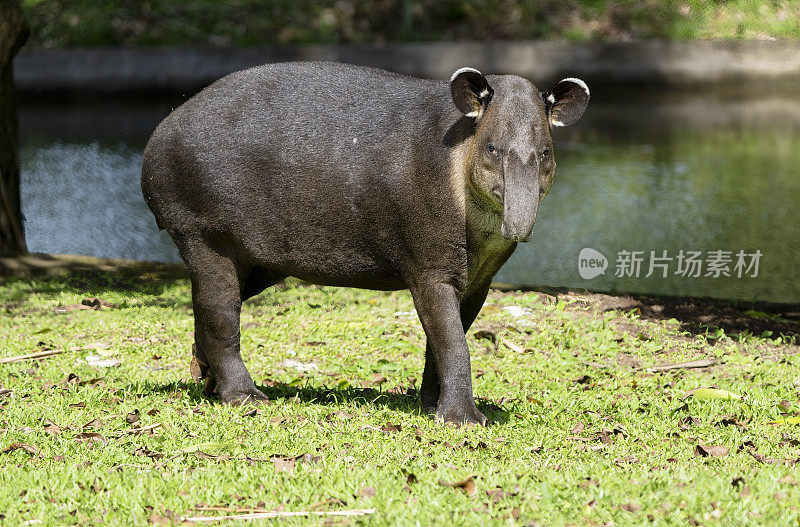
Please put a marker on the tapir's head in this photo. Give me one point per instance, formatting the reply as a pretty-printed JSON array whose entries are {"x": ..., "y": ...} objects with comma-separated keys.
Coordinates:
[{"x": 509, "y": 158}]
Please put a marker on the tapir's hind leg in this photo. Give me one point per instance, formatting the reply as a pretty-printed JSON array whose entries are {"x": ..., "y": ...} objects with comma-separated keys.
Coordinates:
[
  {"x": 217, "y": 301},
  {"x": 256, "y": 281}
]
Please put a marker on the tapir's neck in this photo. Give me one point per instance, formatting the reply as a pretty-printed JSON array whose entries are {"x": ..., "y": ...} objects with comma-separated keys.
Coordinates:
[{"x": 486, "y": 248}]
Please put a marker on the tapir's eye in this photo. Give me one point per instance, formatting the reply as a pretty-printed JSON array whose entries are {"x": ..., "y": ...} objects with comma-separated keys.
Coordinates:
[{"x": 491, "y": 150}]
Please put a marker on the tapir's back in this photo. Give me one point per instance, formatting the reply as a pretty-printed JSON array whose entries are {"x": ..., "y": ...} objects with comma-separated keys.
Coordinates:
[
  {"x": 308, "y": 113},
  {"x": 298, "y": 162}
]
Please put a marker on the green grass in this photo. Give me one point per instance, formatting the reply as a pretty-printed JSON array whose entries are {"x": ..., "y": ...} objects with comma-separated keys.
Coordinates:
[
  {"x": 69, "y": 23},
  {"x": 583, "y": 434}
]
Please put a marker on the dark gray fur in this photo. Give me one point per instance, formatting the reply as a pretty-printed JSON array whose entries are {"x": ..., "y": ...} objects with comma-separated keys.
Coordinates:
[{"x": 344, "y": 175}]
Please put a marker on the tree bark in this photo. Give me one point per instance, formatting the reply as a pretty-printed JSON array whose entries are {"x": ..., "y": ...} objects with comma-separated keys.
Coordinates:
[{"x": 13, "y": 33}]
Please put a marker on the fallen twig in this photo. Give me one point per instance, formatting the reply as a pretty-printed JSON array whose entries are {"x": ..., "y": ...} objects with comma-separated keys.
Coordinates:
[
  {"x": 32, "y": 356},
  {"x": 702, "y": 363},
  {"x": 761, "y": 458},
  {"x": 238, "y": 510},
  {"x": 138, "y": 431},
  {"x": 277, "y": 514}
]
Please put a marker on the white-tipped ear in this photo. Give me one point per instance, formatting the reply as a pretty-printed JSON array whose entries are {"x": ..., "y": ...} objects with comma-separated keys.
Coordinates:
[
  {"x": 459, "y": 71},
  {"x": 470, "y": 91},
  {"x": 579, "y": 82},
  {"x": 566, "y": 101}
]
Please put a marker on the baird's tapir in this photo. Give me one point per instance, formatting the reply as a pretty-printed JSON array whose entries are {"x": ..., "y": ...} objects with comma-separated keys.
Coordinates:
[{"x": 351, "y": 176}]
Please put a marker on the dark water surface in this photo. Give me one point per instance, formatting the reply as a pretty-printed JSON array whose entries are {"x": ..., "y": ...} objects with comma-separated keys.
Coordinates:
[{"x": 714, "y": 182}]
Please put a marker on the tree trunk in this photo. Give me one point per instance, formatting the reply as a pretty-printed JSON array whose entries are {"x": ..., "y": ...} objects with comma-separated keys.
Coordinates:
[{"x": 13, "y": 33}]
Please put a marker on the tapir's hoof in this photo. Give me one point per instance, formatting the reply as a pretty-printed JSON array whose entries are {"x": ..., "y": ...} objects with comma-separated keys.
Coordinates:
[
  {"x": 238, "y": 398},
  {"x": 461, "y": 415}
]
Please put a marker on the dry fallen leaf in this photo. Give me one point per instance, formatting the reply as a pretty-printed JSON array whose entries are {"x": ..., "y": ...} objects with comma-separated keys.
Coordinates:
[
  {"x": 30, "y": 449},
  {"x": 94, "y": 424},
  {"x": 157, "y": 519},
  {"x": 710, "y": 450},
  {"x": 411, "y": 478},
  {"x": 583, "y": 379},
  {"x": 366, "y": 492},
  {"x": 730, "y": 420},
  {"x": 51, "y": 428},
  {"x": 516, "y": 348},
  {"x": 605, "y": 437},
  {"x": 745, "y": 492},
  {"x": 132, "y": 417},
  {"x": 391, "y": 427},
  {"x": 287, "y": 463},
  {"x": 95, "y": 303},
  {"x": 144, "y": 451},
  {"x": 497, "y": 494},
  {"x": 91, "y": 437},
  {"x": 217, "y": 457},
  {"x": 467, "y": 485},
  {"x": 486, "y": 334}
]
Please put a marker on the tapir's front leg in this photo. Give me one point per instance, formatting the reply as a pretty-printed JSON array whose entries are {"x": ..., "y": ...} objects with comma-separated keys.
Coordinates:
[
  {"x": 440, "y": 313},
  {"x": 471, "y": 304}
]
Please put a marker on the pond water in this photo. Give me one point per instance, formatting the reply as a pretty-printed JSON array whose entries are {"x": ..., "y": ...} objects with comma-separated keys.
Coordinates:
[{"x": 682, "y": 196}]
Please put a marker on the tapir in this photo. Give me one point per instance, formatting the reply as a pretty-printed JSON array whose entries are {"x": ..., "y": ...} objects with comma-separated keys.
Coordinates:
[{"x": 351, "y": 176}]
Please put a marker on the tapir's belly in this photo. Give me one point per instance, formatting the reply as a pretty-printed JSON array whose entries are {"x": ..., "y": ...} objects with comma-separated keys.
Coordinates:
[{"x": 317, "y": 228}]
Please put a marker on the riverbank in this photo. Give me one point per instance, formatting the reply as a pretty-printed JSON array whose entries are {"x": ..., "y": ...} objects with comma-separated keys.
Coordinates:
[{"x": 737, "y": 67}]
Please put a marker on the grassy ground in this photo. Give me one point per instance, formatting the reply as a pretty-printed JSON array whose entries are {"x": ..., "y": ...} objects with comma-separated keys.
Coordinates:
[
  {"x": 58, "y": 23},
  {"x": 113, "y": 431}
]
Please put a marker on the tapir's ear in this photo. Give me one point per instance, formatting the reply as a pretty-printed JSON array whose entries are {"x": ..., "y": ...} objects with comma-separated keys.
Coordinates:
[
  {"x": 566, "y": 101},
  {"x": 471, "y": 92}
]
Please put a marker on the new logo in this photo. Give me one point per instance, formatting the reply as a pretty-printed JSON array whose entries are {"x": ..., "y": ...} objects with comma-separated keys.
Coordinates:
[{"x": 591, "y": 263}]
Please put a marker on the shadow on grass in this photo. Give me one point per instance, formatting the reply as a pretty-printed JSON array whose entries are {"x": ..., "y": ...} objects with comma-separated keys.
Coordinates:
[
  {"x": 698, "y": 316},
  {"x": 407, "y": 402},
  {"x": 704, "y": 317},
  {"x": 52, "y": 274}
]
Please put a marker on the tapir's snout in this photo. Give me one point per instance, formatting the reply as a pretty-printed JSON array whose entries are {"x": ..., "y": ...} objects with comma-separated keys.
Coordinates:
[
  {"x": 513, "y": 236},
  {"x": 520, "y": 198}
]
